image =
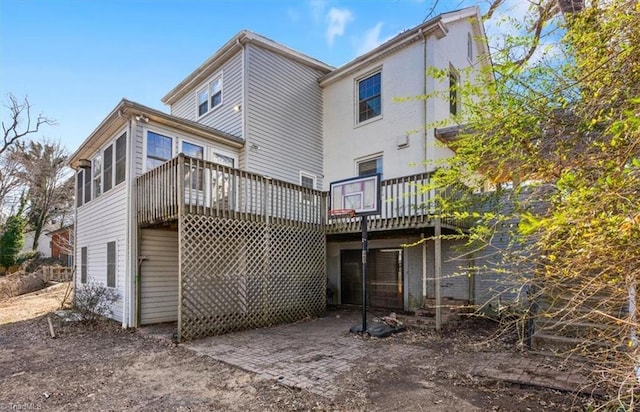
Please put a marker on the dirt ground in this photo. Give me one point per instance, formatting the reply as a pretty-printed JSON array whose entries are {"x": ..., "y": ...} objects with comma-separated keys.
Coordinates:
[{"x": 108, "y": 368}]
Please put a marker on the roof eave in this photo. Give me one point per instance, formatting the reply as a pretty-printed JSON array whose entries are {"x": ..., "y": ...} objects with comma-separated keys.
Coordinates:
[
  {"x": 121, "y": 114},
  {"x": 236, "y": 43}
]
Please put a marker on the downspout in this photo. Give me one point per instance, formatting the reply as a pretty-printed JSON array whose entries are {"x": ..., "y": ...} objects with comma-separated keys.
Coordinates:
[
  {"x": 132, "y": 249},
  {"x": 424, "y": 100},
  {"x": 424, "y": 268},
  {"x": 74, "y": 275},
  {"x": 243, "y": 104}
]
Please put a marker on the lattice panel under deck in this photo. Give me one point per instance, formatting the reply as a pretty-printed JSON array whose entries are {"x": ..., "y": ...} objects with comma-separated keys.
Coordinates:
[{"x": 238, "y": 274}]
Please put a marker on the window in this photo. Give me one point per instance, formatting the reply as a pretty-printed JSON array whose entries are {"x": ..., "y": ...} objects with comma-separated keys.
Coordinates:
[
  {"x": 309, "y": 181},
  {"x": 215, "y": 91},
  {"x": 109, "y": 178},
  {"x": 87, "y": 184},
  {"x": 195, "y": 175},
  {"x": 83, "y": 265},
  {"x": 223, "y": 160},
  {"x": 469, "y": 47},
  {"x": 79, "y": 185},
  {"x": 203, "y": 102},
  {"x": 97, "y": 176},
  {"x": 369, "y": 98},
  {"x": 370, "y": 167},
  {"x": 111, "y": 264},
  {"x": 158, "y": 149},
  {"x": 453, "y": 91},
  {"x": 121, "y": 158},
  {"x": 108, "y": 168},
  {"x": 210, "y": 96}
]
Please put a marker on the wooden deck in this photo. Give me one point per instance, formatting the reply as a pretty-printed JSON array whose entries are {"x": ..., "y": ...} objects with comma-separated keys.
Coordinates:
[{"x": 184, "y": 186}]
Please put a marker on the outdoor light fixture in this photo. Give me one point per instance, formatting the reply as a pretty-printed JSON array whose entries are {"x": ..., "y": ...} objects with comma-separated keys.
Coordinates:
[
  {"x": 142, "y": 117},
  {"x": 84, "y": 163},
  {"x": 237, "y": 108}
]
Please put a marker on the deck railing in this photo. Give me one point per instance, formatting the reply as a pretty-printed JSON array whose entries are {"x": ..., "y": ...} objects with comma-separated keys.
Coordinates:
[
  {"x": 406, "y": 202},
  {"x": 185, "y": 185}
]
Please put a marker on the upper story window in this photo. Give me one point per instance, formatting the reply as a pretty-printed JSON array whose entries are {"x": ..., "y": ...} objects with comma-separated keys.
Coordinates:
[
  {"x": 210, "y": 96},
  {"x": 159, "y": 149},
  {"x": 469, "y": 47},
  {"x": 87, "y": 184},
  {"x": 108, "y": 168},
  {"x": 369, "y": 167},
  {"x": 454, "y": 99},
  {"x": 79, "y": 187},
  {"x": 121, "y": 158},
  {"x": 97, "y": 176},
  {"x": 117, "y": 161},
  {"x": 369, "y": 97}
]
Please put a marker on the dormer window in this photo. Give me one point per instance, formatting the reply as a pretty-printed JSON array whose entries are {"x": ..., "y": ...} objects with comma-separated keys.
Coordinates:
[{"x": 210, "y": 96}]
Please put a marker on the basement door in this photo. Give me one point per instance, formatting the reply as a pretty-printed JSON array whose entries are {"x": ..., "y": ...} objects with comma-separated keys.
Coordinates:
[
  {"x": 385, "y": 278},
  {"x": 158, "y": 276}
]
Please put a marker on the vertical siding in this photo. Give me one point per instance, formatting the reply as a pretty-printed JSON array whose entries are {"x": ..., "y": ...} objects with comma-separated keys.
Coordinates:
[
  {"x": 100, "y": 221},
  {"x": 159, "y": 276},
  {"x": 223, "y": 117},
  {"x": 284, "y": 116}
]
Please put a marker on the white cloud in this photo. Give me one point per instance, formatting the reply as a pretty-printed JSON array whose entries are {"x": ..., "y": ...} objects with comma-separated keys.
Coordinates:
[
  {"x": 337, "y": 20},
  {"x": 317, "y": 9},
  {"x": 370, "y": 40}
]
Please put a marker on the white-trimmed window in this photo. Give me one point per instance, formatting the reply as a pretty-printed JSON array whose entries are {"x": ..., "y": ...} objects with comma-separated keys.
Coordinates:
[
  {"x": 79, "y": 187},
  {"x": 121, "y": 159},
  {"x": 210, "y": 96},
  {"x": 111, "y": 264},
  {"x": 159, "y": 149},
  {"x": 369, "y": 166},
  {"x": 454, "y": 96},
  {"x": 107, "y": 173},
  {"x": 470, "y": 47},
  {"x": 194, "y": 176},
  {"x": 97, "y": 176},
  {"x": 87, "y": 184},
  {"x": 369, "y": 97},
  {"x": 114, "y": 167},
  {"x": 308, "y": 181}
]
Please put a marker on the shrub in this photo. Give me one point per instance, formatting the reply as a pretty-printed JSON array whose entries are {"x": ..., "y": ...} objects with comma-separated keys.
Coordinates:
[{"x": 93, "y": 301}]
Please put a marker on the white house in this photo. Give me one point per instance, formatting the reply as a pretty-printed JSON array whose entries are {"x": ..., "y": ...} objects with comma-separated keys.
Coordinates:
[
  {"x": 374, "y": 124},
  {"x": 214, "y": 215}
]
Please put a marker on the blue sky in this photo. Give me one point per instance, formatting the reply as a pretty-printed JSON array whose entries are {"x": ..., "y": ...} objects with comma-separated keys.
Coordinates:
[{"x": 75, "y": 60}]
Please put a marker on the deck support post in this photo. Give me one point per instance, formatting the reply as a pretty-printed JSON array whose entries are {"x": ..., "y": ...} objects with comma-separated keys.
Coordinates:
[
  {"x": 365, "y": 250},
  {"x": 437, "y": 250}
]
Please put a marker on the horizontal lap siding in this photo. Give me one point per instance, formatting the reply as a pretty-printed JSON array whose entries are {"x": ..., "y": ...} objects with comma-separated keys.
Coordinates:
[
  {"x": 223, "y": 117},
  {"x": 159, "y": 276},
  {"x": 100, "y": 221},
  {"x": 284, "y": 111}
]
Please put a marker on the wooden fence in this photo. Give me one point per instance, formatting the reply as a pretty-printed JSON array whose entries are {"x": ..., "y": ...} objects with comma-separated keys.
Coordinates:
[{"x": 55, "y": 273}]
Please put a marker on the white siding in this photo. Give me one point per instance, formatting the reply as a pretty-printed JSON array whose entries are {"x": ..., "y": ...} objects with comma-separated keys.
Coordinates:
[
  {"x": 159, "y": 276},
  {"x": 100, "y": 221},
  {"x": 284, "y": 116},
  {"x": 222, "y": 117},
  {"x": 403, "y": 76}
]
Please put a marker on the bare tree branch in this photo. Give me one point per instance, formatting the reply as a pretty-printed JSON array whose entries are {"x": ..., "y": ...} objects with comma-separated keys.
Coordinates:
[
  {"x": 18, "y": 110},
  {"x": 494, "y": 6}
]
